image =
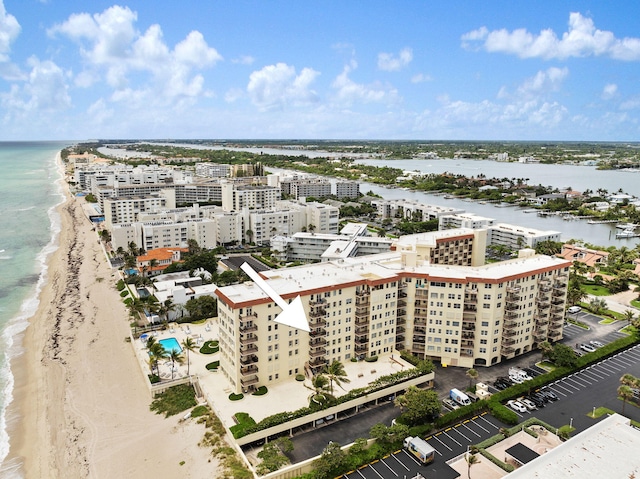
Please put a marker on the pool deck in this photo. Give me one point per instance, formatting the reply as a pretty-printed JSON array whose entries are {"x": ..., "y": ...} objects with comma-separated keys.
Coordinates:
[{"x": 287, "y": 395}]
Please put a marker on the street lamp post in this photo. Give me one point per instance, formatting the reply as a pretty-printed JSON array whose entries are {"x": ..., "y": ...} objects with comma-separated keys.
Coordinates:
[{"x": 571, "y": 423}]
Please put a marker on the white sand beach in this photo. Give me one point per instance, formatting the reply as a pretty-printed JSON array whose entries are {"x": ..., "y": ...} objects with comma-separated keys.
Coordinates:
[{"x": 80, "y": 395}]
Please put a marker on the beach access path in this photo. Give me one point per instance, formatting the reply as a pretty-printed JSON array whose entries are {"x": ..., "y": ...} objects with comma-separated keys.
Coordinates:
[{"x": 81, "y": 403}]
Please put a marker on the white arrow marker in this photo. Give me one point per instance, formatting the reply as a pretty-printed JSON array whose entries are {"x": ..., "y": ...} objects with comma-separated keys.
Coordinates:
[{"x": 292, "y": 314}]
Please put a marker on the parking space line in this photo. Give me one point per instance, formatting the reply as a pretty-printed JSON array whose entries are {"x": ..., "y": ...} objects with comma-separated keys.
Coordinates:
[
  {"x": 435, "y": 437},
  {"x": 455, "y": 428},
  {"x": 375, "y": 470},
  {"x": 402, "y": 463},
  {"x": 465, "y": 425},
  {"x": 558, "y": 386},
  {"x": 488, "y": 422},
  {"x": 449, "y": 436},
  {"x": 591, "y": 373},
  {"x": 607, "y": 364},
  {"x": 576, "y": 379},
  {"x": 625, "y": 360},
  {"x": 388, "y": 467}
]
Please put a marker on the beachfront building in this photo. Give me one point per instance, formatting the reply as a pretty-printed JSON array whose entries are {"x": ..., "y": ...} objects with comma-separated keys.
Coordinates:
[
  {"x": 164, "y": 234},
  {"x": 128, "y": 210},
  {"x": 462, "y": 313},
  {"x": 411, "y": 210},
  {"x": 178, "y": 289},
  {"x": 154, "y": 261}
]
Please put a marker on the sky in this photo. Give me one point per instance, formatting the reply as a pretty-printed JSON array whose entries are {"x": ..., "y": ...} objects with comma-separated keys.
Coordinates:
[{"x": 550, "y": 70}]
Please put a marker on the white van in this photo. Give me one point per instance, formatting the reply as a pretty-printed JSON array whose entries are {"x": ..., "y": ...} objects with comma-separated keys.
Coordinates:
[{"x": 574, "y": 309}]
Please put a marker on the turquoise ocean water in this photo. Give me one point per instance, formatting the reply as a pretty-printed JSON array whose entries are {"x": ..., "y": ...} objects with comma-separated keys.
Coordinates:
[{"x": 30, "y": 188}]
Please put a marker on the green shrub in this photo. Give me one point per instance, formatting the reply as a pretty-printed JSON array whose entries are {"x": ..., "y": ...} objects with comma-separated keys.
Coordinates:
[
  {"x": 128, "y": 301},
  {"x": 124, "y": 293},
  {"x": 354, "y": 360},
  {"x": 213, "y": 365},
  {"x": 199, "y": 411},
  {"x": 174, "y": 400},
  {"x": 299, "y": 377},
  {"x": 371, "y": 359},
  {"x": 120, "y": 285},
  {"x": 261, "y": 391},
  {"x": 235, "y": 397},
  {"x": 153, "y": 378},
  {"x": 210, "y": 347}
]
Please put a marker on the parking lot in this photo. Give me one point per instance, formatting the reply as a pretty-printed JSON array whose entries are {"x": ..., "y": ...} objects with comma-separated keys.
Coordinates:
[{"x": 448, "y": 443}]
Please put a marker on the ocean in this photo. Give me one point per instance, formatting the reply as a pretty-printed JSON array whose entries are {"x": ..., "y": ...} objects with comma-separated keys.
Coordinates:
[{"x": 30, "y": 189}]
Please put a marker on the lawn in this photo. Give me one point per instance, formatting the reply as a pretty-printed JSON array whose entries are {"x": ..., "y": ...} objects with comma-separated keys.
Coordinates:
[{"x": 595, "y": 290}]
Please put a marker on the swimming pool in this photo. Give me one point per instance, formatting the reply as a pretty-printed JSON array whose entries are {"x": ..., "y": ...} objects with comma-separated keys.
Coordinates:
[{"x": 171, "y": 344}]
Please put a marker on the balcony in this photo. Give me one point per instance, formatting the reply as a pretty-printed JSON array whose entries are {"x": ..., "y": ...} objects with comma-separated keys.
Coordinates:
[
  {"x": 468, "y": 335},
  {"x": 418, "y": 347},
  {"x": 317, "y": 342},
  {"x": 362, "y": 331},
  {"x": 513, "y": 289},
  {"x": 317, "y": 362},
  {"x": 507, "y": 350},
  {"x": 508, "y": 341},
  {"x": 362, "y": 348},
  {"x": 317, "y": 302},
  {"x": 248, "y": 339},
  {"x": 362, "y": 321},
  {"x": 419, "y": 322},
  {"x": 510, "y": 315},
  {"x": 510, "y": 323},
  {"x": 249, "y": 360},
  {"x": 317, "y": 333},
  {"x": 467, "y": 342},
  {"x": 466, "y": 353},
  {"x": 248, "y": 327},
  {"x": 555, "y": 335},
  {"x": 317, "y": 352},
  {"x": 249, "y": 370},
  {"x": 509, "y": 333},
  {"x": 251, "y": 349},
  {"x": 317, "y": 322},
  {"x": 317, "y": 312},
  {"x": 249, "y": 381}
]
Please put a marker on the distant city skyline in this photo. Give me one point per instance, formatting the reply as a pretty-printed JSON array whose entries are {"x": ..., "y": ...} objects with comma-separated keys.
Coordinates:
[{"x": 332, "y": 70}]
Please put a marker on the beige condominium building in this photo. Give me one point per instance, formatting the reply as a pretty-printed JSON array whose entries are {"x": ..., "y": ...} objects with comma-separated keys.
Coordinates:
[{"x": 433, "y": 295}]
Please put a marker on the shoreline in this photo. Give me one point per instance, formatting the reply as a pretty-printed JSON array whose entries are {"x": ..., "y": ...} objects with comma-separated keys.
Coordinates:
[{"x": 80, "y": 405}]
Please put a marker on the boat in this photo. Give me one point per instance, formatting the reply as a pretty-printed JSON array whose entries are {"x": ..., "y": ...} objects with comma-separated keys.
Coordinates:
[
  {"x": 627, "y": 233},
  {"x": 625, "y": 226}
]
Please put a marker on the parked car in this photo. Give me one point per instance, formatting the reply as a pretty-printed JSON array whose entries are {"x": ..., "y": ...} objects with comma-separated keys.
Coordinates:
[
  {"x": 551, "y": 395},
  {"x": 530, "y": 405},
  {"x": 502, "y": 383},
  {"x": 450, "y": 404},
  {"x": 516, "y": 379},
  {"x": 574, "y": 309},
  {"x": 531, "y": 372},
  {"x": 596, "y": 344},
  {"x": 537, "y": 400},
  {"x": 587, "y": 348},
  {"x": 540, "y": 396},
  {"x": 516, "y": 405}
]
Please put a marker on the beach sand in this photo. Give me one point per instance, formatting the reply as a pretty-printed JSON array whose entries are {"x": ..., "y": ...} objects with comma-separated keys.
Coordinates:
[{"x": 80, "y": 397}]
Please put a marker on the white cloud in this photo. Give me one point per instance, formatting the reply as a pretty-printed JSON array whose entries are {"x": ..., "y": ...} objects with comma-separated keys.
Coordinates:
[
  {"x": 233, "y": 95},
  {"x": 44, "y": 91},
  {"x": 109, "y": 40},
  {"x": 9, "y": 31},
  {"x": 391, "y": 63},
  {"x": 544, "y": 82},
  {"x": 581, "y": 40},
  {"x": 609, "y": 91},
  {"x": 244, "y": 60},
  {"x": 421, "y": 78},
  {"x": 349, "y": 92},
  {"x": 278, "y": 86}
]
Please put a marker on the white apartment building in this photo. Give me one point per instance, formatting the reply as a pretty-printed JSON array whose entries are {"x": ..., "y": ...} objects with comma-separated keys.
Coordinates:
[
  {"x": 360, "y": 307},
  {"x": 409, "y": 209},
  {"x": 464, "y": 220},
  {"x": 517, "y": 237},
  {"x": 164, "y": 234},
  {"x": 213, "y": 170},
  {"x": 346, "y": 189},
  {"x": 128, "y": 210},
  {"x": 236, "y": 197},
  {"x": 310, "y": 187}
]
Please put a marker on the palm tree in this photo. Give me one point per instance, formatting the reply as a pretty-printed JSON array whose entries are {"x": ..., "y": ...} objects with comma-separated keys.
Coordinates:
[
  {"x": 471, "y": 460},
  {"x": 319, "y": 386},
  {"x": 629, "y": 316},
  {"x": 188, "y": 346},
  {"x": 311, "y": 228},
  {"x": 472, "y": 374},
  {"x": 165, "y": 308},
  {"x": 175, "y": 357},
  {"x": 629, "y": 380},
  {"x": 336, "y": 373},
  {"x": 625, "y": 393},
  {"x": 158, "y": 353}
]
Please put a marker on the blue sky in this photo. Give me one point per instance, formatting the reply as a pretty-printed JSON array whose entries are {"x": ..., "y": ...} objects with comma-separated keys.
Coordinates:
[{"x": 463, "y": 70}]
